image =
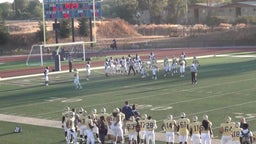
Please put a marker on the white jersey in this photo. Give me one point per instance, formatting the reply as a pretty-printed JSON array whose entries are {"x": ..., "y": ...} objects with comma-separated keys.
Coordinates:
[
  {"x": 88, "y": 69},
  {"x": 46, "y": 74}
]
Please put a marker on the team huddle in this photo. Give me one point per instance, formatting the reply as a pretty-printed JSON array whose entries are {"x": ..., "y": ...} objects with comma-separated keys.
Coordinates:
[{"x": 83, "y": 127}]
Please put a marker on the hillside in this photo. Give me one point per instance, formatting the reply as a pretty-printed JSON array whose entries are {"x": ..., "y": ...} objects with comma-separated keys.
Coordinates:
[{"x": 23, "y": 35}]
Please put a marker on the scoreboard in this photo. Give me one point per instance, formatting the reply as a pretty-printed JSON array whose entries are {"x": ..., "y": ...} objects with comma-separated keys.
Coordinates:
[{"x": 57, "y": 9}]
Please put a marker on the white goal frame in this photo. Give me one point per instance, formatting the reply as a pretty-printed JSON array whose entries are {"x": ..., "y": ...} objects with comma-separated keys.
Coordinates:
[{"x": 59, "y": 45}]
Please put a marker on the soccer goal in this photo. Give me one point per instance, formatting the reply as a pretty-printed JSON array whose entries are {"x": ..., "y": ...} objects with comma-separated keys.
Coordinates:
[{"x": 45, "y": 54}]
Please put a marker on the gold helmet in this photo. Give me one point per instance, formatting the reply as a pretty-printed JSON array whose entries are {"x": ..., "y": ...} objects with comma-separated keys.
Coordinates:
[
  {"x": 116, "y": 110},
  {"x": 67, "y": 108},
  {"x": 145, "y": 116},
  {"x": 237, "y": 125},
  {"x": 103, "y": 110},
  {"x": 195, "y": 118},
  {"x": 205, "y": 117},
  {"x": 71, "y": 114},
  {"x": 228, "y": 119},
  {"x": 170, "y": 117},
  {"x": 132, "y": 118}
]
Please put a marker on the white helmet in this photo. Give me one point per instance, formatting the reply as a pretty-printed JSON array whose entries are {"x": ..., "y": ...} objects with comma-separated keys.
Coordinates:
[
  {"x": 182, "y": 115},
  {"x": 228, "y": 119},
  {"x": 205, "y": 117},
  {"x": 195, "y": 118},
  {"x": 103, "y": 110},
  {"x": 94, "y": 111},
  {"x": 170, "y": 117},
  {"x": 80, "y": 110},
  {"x": 85, "y": 113}
]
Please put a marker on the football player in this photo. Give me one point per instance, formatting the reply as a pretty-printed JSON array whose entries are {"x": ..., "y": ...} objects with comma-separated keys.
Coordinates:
[
  {"x": 154, "y": 69},
  {"x": 71, "y": 129},
  {"x": 142, "y": 124},
  {"x": 143, "y": 71},
  {"x": 83, "y": 116},
  {"x": 151, "y": 58},
  {"x": 137, "y": 63},
  {"x": 106, "y": 119},
  {"x": 88, "y": 70},
  {"x": 64, "y": 120},
  {"x": 76, "y": 79},
  {"x": 225, "y": 130},
  {"x": 236, "y": 132},
  {"x": 46, "y": 76},
  {"x": 206, "y": 130},
  {"x": 182, "y": 68},
  {"x": 150, "y": 128},
  {"x": 89, "y": 130},
  {"x": 167, "y": 67},
  {"x": 174, "y": 65},
  {"x": 169, "y": 126},
  {"x": 195, "y": 61},
  {"x": 124, "y": 67},
  {"x": 183, "y": 128},
  {"x": 106, "y": 67},
  {"x": 116, "y": 126},
  {"x": 131, "y": 127},
  {"x": 195, "y": 130},
  {"x": 95, "y": 117}
]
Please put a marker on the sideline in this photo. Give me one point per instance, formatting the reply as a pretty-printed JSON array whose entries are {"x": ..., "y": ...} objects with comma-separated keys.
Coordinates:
[{"x": 57, "y": 124}]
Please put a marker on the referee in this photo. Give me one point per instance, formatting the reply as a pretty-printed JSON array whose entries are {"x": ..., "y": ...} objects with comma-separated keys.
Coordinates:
[{"x": 193, "y": 71}]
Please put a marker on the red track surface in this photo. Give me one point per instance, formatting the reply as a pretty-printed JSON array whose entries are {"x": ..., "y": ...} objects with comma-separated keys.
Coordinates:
[{"x": 159, "y": 53}]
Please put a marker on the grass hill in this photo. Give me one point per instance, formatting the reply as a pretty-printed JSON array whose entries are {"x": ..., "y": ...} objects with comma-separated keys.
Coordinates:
[{"x": 23, "y": 35}]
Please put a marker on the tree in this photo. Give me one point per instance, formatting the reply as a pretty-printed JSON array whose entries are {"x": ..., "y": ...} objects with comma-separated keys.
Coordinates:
[
  {"x": 125, "y": 10},
  {"x": 156, "y": 10},
  {"x": 65, "y": 28},
  {"x": 40, "y": 32},
  {"x": 35, "y": 9},
  {"x": 143, "y": 4},
  {"x": 176, "y": 9},
  {"x": 4, "y": 35},
  {"x": 83, "y": 28},
  {"x": 21, "y": 5},
  {"x": 6, "y": 9}
]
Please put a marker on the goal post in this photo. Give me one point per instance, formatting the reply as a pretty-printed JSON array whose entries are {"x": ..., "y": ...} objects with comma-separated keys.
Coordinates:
[{"x": 44, "y": 54}]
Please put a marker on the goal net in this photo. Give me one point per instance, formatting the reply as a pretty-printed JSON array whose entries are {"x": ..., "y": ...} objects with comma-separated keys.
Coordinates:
[{"x": 46, "y": 54}]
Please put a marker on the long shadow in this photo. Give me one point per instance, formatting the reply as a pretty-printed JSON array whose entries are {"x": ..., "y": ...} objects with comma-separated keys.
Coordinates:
[{"x": 5, "y": 134}]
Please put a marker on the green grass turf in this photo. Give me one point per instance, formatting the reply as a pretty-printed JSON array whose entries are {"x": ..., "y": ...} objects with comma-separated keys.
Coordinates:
[
  {"x": 30, "y": 134},
  {"x": 226, "y": 87}
]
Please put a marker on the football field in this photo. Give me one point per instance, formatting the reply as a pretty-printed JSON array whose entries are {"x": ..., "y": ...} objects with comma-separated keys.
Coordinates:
[{"x": 226, "y": 87}]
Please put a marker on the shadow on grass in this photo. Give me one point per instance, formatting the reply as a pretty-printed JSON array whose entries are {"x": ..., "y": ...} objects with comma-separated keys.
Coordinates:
[{"x": 5, "y": 134}]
